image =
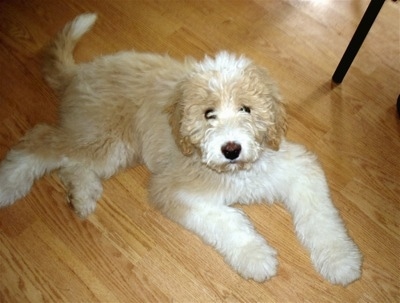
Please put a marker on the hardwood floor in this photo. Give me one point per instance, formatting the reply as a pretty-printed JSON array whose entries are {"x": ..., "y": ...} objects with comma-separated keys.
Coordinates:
[{"x": 128, "y": 252}]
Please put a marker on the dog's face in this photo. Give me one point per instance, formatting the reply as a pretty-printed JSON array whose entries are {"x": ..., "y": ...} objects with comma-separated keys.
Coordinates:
[{"x": 228, "y": 110}]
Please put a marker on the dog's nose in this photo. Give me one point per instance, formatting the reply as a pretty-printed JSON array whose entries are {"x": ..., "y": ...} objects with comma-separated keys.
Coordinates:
[{"x": 231, "y": 150}]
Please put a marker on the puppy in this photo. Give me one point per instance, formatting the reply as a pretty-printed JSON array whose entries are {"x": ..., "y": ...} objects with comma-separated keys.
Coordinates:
[{"x": 212, "y": 134}]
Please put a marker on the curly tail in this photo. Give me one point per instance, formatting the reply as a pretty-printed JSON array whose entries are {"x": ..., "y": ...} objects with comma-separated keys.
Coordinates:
[{"x": 59, "y": 63}]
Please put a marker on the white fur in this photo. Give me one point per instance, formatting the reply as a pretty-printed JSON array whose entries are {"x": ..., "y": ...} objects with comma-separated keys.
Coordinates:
[
  {"x": 130, "y": 108},
  {"x": 81, "y": 25}
]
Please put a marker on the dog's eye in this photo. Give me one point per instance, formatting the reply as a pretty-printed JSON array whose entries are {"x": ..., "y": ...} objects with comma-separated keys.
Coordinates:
[
  {"x": 209, "y": 114},
  {"x": 245, "y": 109}
]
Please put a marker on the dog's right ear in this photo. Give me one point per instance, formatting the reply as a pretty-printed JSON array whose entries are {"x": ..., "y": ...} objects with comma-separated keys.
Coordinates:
[{"x": 175, "y": 111}]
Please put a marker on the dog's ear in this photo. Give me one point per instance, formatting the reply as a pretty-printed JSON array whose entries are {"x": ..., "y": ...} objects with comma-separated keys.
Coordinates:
[
  {"x": 274, "y": 108},
  {"x": 175, "y": 111},
  {"x": 277, "y": 130}
]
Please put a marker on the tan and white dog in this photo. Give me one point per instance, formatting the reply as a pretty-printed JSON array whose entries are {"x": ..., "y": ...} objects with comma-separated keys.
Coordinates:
[{"x": 211, "y": 133}]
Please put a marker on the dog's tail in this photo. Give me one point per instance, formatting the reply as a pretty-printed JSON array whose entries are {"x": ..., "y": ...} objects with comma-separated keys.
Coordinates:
[{"x": 59, "y": 63}]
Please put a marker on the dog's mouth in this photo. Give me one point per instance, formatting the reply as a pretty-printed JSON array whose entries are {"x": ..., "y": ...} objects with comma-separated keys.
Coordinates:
[{"x": 229, "y": 166}]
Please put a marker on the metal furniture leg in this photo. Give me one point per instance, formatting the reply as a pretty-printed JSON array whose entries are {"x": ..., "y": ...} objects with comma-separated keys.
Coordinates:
[{"x": 358, "y": 38}]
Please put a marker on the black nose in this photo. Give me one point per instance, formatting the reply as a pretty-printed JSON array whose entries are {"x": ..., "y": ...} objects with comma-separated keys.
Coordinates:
[{"x": 231, "y": 150}]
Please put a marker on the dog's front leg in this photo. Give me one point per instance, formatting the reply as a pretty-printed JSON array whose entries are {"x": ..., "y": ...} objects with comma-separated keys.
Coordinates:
[
  {"x": 231, "y": 233},
  {"x": 319, "y": 226}
]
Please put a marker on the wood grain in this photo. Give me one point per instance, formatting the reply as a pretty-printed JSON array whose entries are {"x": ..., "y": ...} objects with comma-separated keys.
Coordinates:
[{"x": 127, "y": 251}]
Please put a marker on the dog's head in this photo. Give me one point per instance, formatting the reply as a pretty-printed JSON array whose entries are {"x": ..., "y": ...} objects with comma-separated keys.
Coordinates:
[{"x": 228, "y": 110}]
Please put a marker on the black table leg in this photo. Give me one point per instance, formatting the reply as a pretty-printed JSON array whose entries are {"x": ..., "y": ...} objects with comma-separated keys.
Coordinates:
[{"x": 358, "y": 38}]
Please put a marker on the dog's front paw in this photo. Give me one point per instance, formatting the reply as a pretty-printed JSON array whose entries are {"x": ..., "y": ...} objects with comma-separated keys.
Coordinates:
[
  {"x": 255, "y": 261},
  {"x": 339, "y": 263}
]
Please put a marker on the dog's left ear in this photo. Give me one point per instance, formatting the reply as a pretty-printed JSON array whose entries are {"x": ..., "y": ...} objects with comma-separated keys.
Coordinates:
[
  {"x": 276, "y": 116},
  {"x": 175, "y": 111},
  {"x": 277, "y": 131}
]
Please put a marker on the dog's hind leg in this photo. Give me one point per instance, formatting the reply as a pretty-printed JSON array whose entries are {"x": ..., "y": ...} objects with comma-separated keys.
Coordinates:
[
  {"x": 83, "y": 186},
  {"x": 29, "y": 160}
]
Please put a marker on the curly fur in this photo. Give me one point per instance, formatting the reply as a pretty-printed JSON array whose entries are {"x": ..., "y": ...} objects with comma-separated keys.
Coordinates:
[{"x": 212, "y": 134}]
